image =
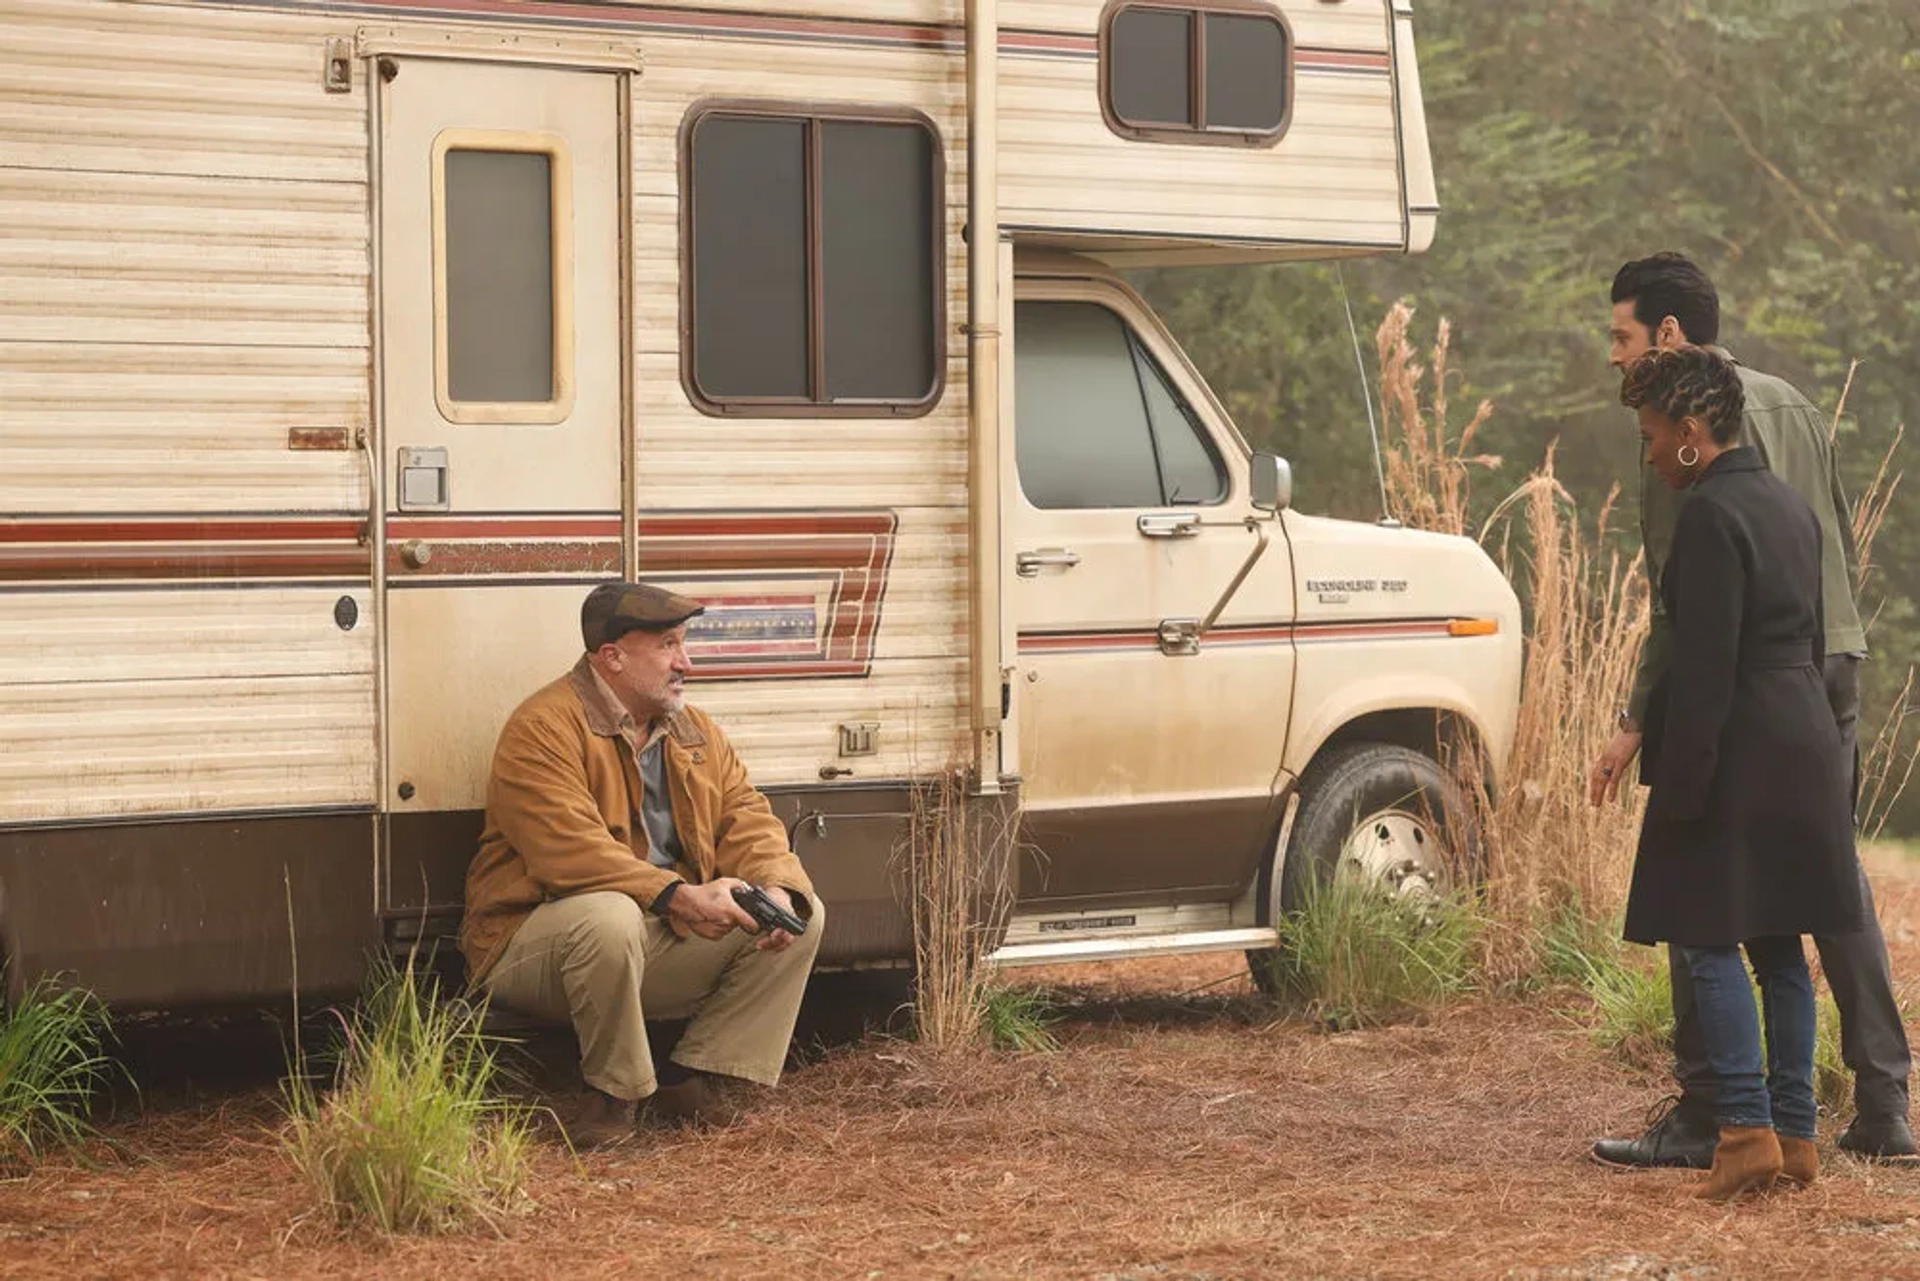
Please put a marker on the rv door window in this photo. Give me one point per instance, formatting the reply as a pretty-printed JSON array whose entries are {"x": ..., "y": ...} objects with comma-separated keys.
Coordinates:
[
  {"x": 1096, "y": 423},
  {"x": 1210, "y": 73},
  {"x": 815, "y": 272},
  {"x": 502, "y": 272}
]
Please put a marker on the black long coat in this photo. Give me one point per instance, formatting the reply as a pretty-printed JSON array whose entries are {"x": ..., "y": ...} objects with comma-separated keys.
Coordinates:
[{"x": 1749, "y": 827}]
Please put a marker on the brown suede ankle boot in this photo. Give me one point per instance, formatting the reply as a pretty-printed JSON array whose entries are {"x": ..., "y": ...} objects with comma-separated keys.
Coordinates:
[
  {"x": 1747, "y": 1160},
  {"x": 1799, "y": 1161}
]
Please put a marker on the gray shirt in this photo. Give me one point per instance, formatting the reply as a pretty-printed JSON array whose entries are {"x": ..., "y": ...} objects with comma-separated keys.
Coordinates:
[
  {"x": 656, "y": 806},
  {"x": 656, "y": 810}
]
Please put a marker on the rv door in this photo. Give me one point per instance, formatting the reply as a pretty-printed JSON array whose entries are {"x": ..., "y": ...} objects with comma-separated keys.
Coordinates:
[{"x": 499, "y": 207}]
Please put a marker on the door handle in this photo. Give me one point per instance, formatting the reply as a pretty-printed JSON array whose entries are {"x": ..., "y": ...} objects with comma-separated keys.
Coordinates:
[
  {"x": 1027, "y": 564},
  {"x": 1173, "y": 525}
]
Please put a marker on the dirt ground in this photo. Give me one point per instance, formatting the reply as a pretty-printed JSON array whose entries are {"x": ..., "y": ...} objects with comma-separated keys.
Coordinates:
[{"x": 1179, "y": 1132}]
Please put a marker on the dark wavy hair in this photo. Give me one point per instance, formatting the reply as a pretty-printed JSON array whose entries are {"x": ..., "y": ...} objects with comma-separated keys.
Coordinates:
[
  {"x": 1688, "y": 382},
  {"x": 1669, "y": 284}
]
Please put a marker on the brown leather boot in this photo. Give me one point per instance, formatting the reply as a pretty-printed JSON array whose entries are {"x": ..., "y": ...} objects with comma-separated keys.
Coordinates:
[
  {"x": 703, "y": 1099},
  {"x": 1747, "y": 1160},
  {"x": 1799, "y": 1161},
  {"x": 599, "y": 1120}
]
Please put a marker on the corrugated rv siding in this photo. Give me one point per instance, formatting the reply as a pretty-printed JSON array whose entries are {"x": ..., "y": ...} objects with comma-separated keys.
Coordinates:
[
  {"x": 1333, "y": 178},
  {"x": 914, "y": 467},
  {"x": 183, "y": 279}
]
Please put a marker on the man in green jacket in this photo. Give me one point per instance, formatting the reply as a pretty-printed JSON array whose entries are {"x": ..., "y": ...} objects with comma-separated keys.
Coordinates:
[{"x": 1666, "y": 301}]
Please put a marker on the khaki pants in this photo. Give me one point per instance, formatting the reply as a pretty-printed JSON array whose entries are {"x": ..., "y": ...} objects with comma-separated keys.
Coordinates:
[{"x": 600, "y": 960}]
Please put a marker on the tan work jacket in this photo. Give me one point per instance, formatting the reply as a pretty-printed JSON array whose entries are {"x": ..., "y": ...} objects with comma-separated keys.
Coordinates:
[{"x": 563, "y": 815}]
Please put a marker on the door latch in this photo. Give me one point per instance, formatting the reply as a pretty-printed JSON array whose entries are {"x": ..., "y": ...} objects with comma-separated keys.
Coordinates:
[{"x": 1179, "y": 637}]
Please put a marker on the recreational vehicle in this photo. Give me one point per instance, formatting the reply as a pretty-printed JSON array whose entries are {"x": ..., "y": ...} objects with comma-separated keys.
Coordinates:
[{"x": 345, "y": 346}]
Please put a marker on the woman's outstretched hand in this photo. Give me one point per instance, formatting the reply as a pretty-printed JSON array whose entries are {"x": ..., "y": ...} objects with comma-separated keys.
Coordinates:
[{"x": 1604, "y": 783}]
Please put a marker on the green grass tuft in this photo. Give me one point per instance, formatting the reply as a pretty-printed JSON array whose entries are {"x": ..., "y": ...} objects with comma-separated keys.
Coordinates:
[
  {"x": 51, "y": 1062},
  {"x": 1354, "y": 957},
  {"x": 1832, "y": 1083},
  {"x": 1633, "y": 1005},
  {"x": 1019, "y": 1019},
  {"x": 412, "y": 1136},
  {"x": 1573, "y": 943}
]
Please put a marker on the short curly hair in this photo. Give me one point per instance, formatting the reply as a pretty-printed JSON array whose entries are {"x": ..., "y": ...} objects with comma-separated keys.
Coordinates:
[{"x": 1688, "y": 382}]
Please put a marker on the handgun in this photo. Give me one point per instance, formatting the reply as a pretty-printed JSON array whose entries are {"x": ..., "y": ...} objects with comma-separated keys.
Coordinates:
[{"x": 766, "y": 913}]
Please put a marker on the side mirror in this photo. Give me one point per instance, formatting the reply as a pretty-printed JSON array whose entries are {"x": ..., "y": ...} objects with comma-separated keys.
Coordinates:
[{"x": 1272, "y": 482}]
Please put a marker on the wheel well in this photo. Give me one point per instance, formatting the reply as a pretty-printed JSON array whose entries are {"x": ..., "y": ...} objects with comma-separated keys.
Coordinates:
[{"x": 1447, "y": 737}]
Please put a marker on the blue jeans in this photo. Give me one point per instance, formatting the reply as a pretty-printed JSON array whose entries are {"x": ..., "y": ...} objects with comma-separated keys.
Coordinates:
[{"x": 1778, "y": 1091}]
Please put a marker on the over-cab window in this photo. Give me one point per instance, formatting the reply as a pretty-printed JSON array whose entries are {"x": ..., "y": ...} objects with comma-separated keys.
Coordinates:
[
  {"x": 1214, "y": 73},
  {"x": 1096, "y": 423},
  {"x": 814, "y": 281},
  {"x": 502, "y": 277}
]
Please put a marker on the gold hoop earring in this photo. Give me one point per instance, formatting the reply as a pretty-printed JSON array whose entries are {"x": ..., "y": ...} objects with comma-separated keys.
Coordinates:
[{"x": 1686, "y": 461}]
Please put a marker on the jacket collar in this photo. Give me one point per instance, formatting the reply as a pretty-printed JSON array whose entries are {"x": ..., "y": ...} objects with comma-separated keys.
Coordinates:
[
  {"x": 1739, "y": 458},
  {"x": 604, "y": 714}
]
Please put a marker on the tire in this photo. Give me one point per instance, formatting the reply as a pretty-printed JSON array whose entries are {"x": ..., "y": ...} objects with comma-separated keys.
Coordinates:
[{"x": 1371, "y": 809}]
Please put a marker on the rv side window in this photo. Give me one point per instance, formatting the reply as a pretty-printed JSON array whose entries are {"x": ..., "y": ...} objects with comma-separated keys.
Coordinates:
[
  {"x": 502, "y": 267},
  {"x": 814, "y": 280},
  {"x": 1096, "y": 424},
  {"x": 1215, "y": 73}
]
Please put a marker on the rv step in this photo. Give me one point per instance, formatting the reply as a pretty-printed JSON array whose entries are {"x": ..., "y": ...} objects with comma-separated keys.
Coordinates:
[{"x": 1117, "y": 948}]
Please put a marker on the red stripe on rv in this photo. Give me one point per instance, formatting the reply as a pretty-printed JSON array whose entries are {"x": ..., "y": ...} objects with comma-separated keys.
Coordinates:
[
  {"x": 174, "y": 530},
  {"x": 1244, "y": 633}
]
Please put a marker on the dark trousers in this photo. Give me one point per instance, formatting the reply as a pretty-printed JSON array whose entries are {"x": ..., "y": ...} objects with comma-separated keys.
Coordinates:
[
  {"x": 1873, "y": 1041},
  {"x": 1759, "y": 1088}
]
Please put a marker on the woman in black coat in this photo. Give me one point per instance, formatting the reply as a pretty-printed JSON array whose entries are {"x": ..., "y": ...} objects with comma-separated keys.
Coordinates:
[{"x": 1748, "y": 836}]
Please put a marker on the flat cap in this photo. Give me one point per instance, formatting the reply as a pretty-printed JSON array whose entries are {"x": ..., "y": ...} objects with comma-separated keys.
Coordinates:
[{"x": 611, "y": 610}]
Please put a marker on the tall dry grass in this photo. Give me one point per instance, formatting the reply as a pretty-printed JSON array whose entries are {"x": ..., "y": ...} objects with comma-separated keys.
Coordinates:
[
  {"x": 1548, "y": 853},
  {"x": 1429, "y": 476},
  {"x": 959, "y": 868},
  {"x": 1887, "y": 762}
]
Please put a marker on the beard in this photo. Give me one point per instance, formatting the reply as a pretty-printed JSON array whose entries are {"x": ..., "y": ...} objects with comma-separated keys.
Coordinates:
[{"x": 673, "y": 697}]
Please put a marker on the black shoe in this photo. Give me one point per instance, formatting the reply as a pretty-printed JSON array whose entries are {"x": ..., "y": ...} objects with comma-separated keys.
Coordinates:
[
  {"x": 1682, "y": 1136},
  {"x": 1880, "y": 1138}
]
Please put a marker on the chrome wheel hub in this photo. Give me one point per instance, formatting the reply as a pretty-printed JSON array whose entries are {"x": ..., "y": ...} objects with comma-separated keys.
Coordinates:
[{"x": 1399, "y": 852}]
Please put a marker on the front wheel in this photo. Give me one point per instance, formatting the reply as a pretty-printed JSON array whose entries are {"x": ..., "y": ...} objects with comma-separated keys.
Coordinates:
[{"x": 1379, "y": 813}]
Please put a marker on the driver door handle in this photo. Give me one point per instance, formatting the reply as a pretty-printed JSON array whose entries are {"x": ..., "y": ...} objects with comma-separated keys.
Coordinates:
[
  {"x": 1028, "y": 564},
  {"x": 1169, "y": 525}
]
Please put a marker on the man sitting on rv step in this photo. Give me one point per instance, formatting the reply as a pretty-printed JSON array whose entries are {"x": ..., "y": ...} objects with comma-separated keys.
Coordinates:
[{"x": 619, "y": 821}]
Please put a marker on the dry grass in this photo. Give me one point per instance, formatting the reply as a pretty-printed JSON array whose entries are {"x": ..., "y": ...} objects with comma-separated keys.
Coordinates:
[
  {"x": 1548, "y": 852},
  {"x": 1887, "y": 761},
  {"x": 1429, "y": 477},
  {"x": 962, "y": 892}
]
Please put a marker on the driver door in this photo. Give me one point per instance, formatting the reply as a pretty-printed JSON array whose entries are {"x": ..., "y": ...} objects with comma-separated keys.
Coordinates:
[{"x": 1148, "y": 753}]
